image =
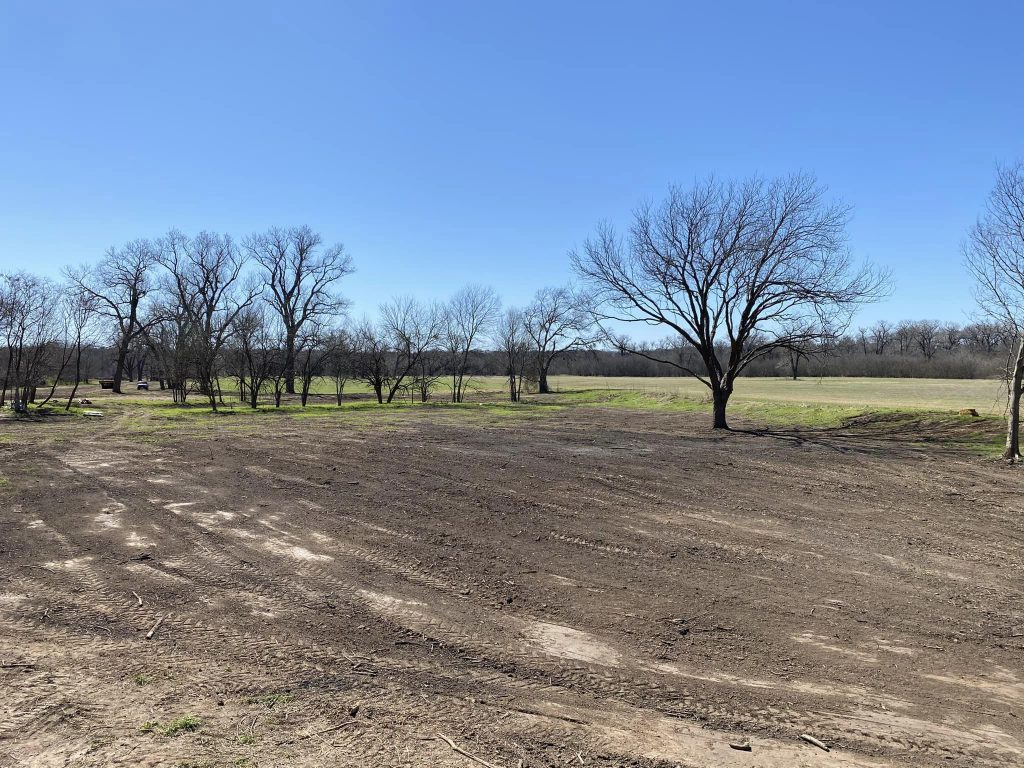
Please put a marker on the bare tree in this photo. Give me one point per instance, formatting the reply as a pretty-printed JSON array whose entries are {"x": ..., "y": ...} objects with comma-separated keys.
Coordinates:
[
  {"x": 903, "y": 333},
  {"x": 370, "y": 356},
  {"x": 881, "y": 335},
  {"x": 341, "y": 363},
  {"x": 80, "y": 309},
  {"x": 315, "y": 348},
  {"x": 862, "y": 339},
  {"x": 169, "y": 338},
  {"x": 926, "y": 336},
  {"x": 302, "y": 277},
  {"x": 74, "y": 308},
  {"x": 27, "y": 303},
  {"x": 952, "y": 335},
  {"x": 513, "y": 343},
  {"x": 994, "y": 253},
  {"x": 120, "y": 284},
  {"x": 258, "y": 339},
  {"x": 755, "y": 266},
  {"x": 411, "y": 330},
  {"x": 469, "y": 315},
  {"x": 557, "y": 321},
  {"x": 204, "y": 277}
]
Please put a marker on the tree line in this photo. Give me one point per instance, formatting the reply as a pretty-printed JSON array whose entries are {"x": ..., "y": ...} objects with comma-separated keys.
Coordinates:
[
  {"x": 743, "y": 278},
  {"x": 265, "y": 313}
]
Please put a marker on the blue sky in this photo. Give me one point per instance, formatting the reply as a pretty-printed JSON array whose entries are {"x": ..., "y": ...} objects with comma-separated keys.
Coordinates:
[{"x": 448, "y": 142}]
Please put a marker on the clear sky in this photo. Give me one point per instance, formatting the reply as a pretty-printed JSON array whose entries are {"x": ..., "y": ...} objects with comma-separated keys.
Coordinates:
[{"x": 447, "y": 142}]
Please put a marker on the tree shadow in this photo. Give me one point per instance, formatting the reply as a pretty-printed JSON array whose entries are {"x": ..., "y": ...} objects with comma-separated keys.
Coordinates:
[{"x": 883, "y": 433}]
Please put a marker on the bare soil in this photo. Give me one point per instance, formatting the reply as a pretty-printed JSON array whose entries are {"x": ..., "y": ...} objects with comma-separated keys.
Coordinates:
[{"x": 584, "y": 586}]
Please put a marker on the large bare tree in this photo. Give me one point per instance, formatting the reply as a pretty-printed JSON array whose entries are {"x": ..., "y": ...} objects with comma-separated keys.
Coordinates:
[
  {"x": 120, "y": 284},
  {"x": 751, "y": 267},
  {"x": 205, "y": 279},
  {"x": 558, "y": 320},
  {"x": 301, "y": 275},
  {"x": 994, "y": 253}
]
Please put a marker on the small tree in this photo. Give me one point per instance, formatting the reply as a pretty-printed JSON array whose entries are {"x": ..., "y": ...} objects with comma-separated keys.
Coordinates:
[
  {"x": 28, "y": 318},
  {"x": 411, "y": 330},
  {"x": 994, "y": 253},
  {"x": 468, "y": 317},
  {"x": 557, "y": 321},
  {"x": 370, "y": 356},
  {"x": 341, "y": 362},
  {"x": 120, "y": 285},
  {"x": 314, "y": 349},
  {"x": 258, "y": 342},
  {"x": 513, "y": 343},
  {"x": 752, "y": 267}
]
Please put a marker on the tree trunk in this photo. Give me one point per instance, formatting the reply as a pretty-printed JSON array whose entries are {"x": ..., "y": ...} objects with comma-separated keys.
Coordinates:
[
  {"x": 289, "y": 363},
  {"x": 720, "y": 399},
  {"x": 122, "y": 353},
  {"x": 542, "y": 385},
  {"x": 378, "y": 390},
  {"x": 1012, "y": 452},
  {"x": 78, "y": 373}
]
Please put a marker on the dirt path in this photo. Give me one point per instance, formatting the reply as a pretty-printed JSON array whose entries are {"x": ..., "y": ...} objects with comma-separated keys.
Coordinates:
[{"x": 593, "y": 587}]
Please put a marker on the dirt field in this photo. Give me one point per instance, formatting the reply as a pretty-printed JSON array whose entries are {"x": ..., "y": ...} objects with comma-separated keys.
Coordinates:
[{"x": 585, "y": 586}]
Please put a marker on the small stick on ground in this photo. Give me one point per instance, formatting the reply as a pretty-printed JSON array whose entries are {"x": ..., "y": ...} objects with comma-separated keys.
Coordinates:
[
  {"x": 814, "y": 741},
  {"x": 459, "y": 750},
  {"x": 40, "y": 567},
  {"x": 149, "y": 635},
  {"x": 742, "y": 747},
  {"x": 17, "y": 666},
  {"x": 317, "y": 733},
  {"x": 137, "y": 597}
]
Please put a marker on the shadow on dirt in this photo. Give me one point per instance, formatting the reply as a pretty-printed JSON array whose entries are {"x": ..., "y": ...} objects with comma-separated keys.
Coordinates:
[{"x": 878, "y": 433}]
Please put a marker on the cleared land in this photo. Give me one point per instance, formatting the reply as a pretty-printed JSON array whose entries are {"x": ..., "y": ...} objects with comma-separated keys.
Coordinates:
[{"x": 544, "y": 585}]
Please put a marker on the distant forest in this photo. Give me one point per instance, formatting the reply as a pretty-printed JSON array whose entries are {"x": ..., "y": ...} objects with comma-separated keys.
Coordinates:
[{"x": 907, "y": 349}]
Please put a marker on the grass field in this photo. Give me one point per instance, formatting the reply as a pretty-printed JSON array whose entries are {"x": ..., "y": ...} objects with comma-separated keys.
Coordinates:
[{"x": 986, "y": 395}]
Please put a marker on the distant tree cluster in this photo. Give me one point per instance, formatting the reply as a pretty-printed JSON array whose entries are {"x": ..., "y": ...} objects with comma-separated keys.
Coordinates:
[{"x": 264, "y": 318}]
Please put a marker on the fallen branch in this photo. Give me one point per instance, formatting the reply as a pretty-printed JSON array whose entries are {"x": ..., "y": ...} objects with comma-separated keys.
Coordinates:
[
  {"x": 149, "y": 635},
  {"x": 814, "y": 741},
  {"x": 460, "y": 751},
  {"x": 40, "y": 567},
  {"x": 137, "y": 597},
  {"x": 17, "y": 665},
  {"x": 744, "y": 747}
]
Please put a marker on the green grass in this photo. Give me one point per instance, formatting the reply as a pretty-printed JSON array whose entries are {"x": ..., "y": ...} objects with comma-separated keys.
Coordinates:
[
  {"x": 769, "y": 413},
  {"x": 269, "y": 700},
  {"x": 184, "y": 724},
  {"x": 981, "y": 434},
  {"x": 986, "y": 395},
  {"x": 893, "y": 404}
]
